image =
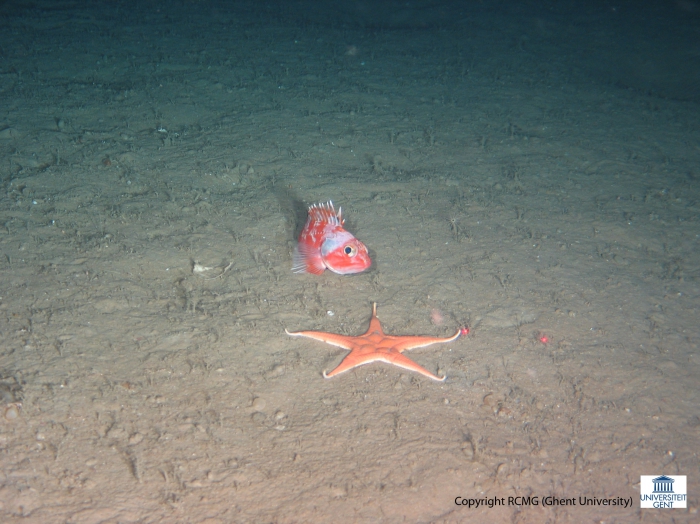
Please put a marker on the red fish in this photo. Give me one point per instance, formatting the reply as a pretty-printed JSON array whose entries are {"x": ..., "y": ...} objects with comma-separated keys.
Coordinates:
[{"x": 324, "y": 244}]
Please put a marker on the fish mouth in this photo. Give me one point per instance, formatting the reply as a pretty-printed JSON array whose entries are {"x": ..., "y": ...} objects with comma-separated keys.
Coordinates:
[{"x": 352, "y": 270}]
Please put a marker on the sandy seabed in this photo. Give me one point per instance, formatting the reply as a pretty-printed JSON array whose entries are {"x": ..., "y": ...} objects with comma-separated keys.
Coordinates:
[{"x": 156, "y": 164}]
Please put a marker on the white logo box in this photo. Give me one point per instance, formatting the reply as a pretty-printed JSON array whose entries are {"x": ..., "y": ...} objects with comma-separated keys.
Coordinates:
[{"x": 663, "y": 491}]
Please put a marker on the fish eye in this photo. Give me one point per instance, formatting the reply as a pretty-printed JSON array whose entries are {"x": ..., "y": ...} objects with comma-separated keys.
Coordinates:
[{"x": 350, "y": 251}]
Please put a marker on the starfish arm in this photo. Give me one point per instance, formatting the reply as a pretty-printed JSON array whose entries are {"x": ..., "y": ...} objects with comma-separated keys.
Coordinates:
[
  {"x": 397, "y": 359},
  {"x": 404, "y": 343},
  {"x": 351, "y": 361},
  {"x": 340, "y": 341},
  {"x": 404, "y": 362},
  {"x": 375, "y": 327}
]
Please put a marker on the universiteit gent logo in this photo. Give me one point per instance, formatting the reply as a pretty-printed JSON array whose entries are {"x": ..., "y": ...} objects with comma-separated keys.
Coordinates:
[{"x": 662, "y": 491}]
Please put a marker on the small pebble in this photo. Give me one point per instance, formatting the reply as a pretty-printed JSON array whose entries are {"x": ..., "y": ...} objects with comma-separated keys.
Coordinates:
[
  {"x": 12, "y": 412},
  {"x": 277, "y": 370},
  {"x": 259, "y": 404}
]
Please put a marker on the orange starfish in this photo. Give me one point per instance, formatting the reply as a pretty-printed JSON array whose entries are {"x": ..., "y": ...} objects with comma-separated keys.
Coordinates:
[{"x": 375, "y": 346}]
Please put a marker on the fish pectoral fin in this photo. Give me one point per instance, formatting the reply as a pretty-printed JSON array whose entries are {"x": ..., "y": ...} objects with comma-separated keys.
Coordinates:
[{"x": 306, "y": 260}]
